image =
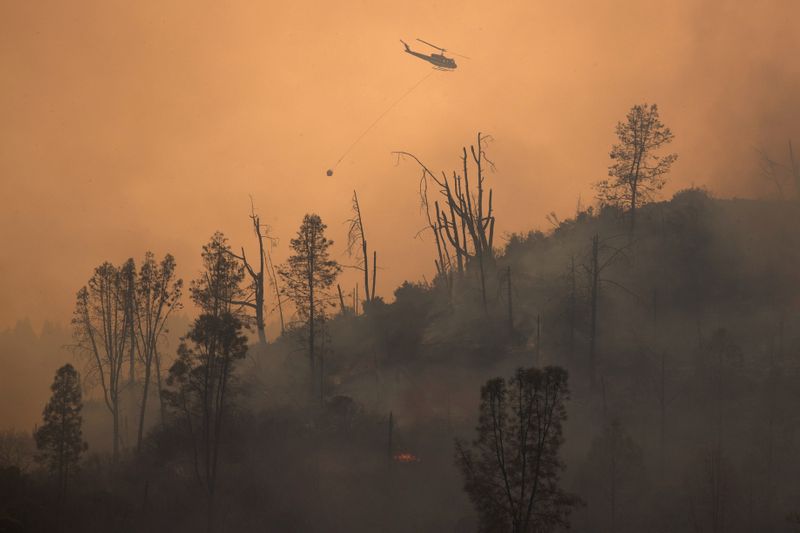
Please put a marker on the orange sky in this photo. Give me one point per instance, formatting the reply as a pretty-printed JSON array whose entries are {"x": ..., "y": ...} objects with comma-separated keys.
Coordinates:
[{"x": 129, "y": 126}]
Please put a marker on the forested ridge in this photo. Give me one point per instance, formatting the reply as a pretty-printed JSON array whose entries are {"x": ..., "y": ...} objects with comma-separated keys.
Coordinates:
[{"x": 655, "y": 359}]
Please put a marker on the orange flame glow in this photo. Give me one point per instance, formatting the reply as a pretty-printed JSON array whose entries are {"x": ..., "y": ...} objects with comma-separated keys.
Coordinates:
[{"x": 406, "y": 457}]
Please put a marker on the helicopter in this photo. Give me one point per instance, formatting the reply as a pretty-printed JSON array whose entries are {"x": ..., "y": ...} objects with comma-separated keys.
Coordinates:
[{"x": 439, "y": 61}]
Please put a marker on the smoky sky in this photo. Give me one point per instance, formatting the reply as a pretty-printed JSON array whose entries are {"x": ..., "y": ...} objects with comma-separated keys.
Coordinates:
[{"x": 147, "y": 126}]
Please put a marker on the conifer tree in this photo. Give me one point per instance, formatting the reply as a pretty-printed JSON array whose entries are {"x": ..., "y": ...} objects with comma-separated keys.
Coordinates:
[
  {"x": 59, "y": 439},
  {"x": 308, "y": 274}
]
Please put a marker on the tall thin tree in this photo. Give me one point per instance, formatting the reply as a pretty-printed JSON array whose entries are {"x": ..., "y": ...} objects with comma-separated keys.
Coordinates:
[
  {"x": 308, "y": 274},
  {"x": 356, "y": 237},
  {"x": 158, "y": 293},
  {"x": 101, "y": 328}
]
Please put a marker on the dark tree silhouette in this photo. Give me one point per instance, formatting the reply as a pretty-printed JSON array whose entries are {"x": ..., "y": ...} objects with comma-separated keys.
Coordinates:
[
  {"x": 199, "y": 390},
  {"x": 513, "y": 468},
  {"x": 199, "y": 382},
  {"x": 466, "y": 219},
  {"x": 218, "y": 290},
  {"x": 130, "y": 281},
  {"x": 157, "y": 295},
  {"x": 256, "y": 297},
  {"x": 356, "y": 236},
  {"x": 101, "y": 327},
  {"x": 308, "y": 274},
  {"x": 59, "y": 439},
  {"x": 637, "y": 172}
]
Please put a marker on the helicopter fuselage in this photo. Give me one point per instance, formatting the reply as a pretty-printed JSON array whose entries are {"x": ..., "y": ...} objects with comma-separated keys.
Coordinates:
[{"x": 438, "y": 60}]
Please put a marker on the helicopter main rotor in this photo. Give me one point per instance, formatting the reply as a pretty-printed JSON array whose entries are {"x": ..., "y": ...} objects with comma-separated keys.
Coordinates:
[{"x": 442, "y": 50}]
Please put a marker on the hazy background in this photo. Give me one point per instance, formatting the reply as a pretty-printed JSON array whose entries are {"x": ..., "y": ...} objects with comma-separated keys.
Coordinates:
[{"x": 134, "y": 126}]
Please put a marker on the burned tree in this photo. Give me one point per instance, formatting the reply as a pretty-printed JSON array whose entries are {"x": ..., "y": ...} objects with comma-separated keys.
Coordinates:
[
  {"x": 512, "y": 470},
  {"x": 356, "y": 236},
  {"x": 255, "y": 299},
  {"x": 465, "y": 220},
  {"x": 781, "y": 174},
  {"x": 594, "y": 268},
  {"x": 637, "y": 172},
  {"x": 273, "y": 280}
]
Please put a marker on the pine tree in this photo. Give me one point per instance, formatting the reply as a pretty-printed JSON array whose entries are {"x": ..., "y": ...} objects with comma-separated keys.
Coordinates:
[
  {"x": 307, "y": 275},
  {"x": 637, "y": 172},
  {"x": 59, "y": 439}
]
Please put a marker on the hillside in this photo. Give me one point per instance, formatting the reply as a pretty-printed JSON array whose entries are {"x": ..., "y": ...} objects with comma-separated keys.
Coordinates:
[{"x": 684, "y": 362}]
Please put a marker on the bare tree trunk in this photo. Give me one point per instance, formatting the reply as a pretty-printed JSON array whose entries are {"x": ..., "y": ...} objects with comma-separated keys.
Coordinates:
[
  {"x": 374, "y": 270},
  {"x": 161, "y": 405},
  {"x": 794, "y": 167},
  {"x": 483, "y": 284},
  {"x": 311, "y": 310},
  {"x": 357, "y": 233},
  {"x": 613, "y": 477},
  {"x": 573, "y": 299},
  {"x": 256, "y": 301},
  {"x": 510, "y": 308},
  {"x": 115, "y": 416},
  {"x": 341, "y": 299},
  {"x": 274, "y": 277},
  {"x": 662, "y": 400},
  {"x": 322, "y": 363},
  {"x": 366, "y": 270},
  {"x": 143, "y": 408},
  {"x": 132, "y": 356},
  {"x": 390, "y": 447},
  {"x": 595, "y": 277}
]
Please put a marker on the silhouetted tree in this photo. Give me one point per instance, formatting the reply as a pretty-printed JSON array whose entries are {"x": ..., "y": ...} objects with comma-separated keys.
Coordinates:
[
  {"x": 273, "y": 280},
  {"x": 157, "y": 295},
  {"x": 356, "y": 236},
  {"x": 218, "y": 290},
  {"x": 199, "y": 382},
  {"x": 128, "y": 272},
  {"x": 594, "y": 270},
  {"x": 101, "y": 328},
  {"x": 255, "y": 299},
  {"x": 59, "y": 439},
  {"x": 512, "y": 470},
  {"x": 637, "y": 171},
  {"x": 199, "y": 389},
  {"x": 466, "y": 220},
  {"x": 308, "y": 274},
  {"x": 779, "y": 174}
]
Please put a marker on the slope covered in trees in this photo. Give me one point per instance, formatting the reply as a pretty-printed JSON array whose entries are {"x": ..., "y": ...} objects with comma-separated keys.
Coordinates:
[{"x": 656, "y": 374}]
